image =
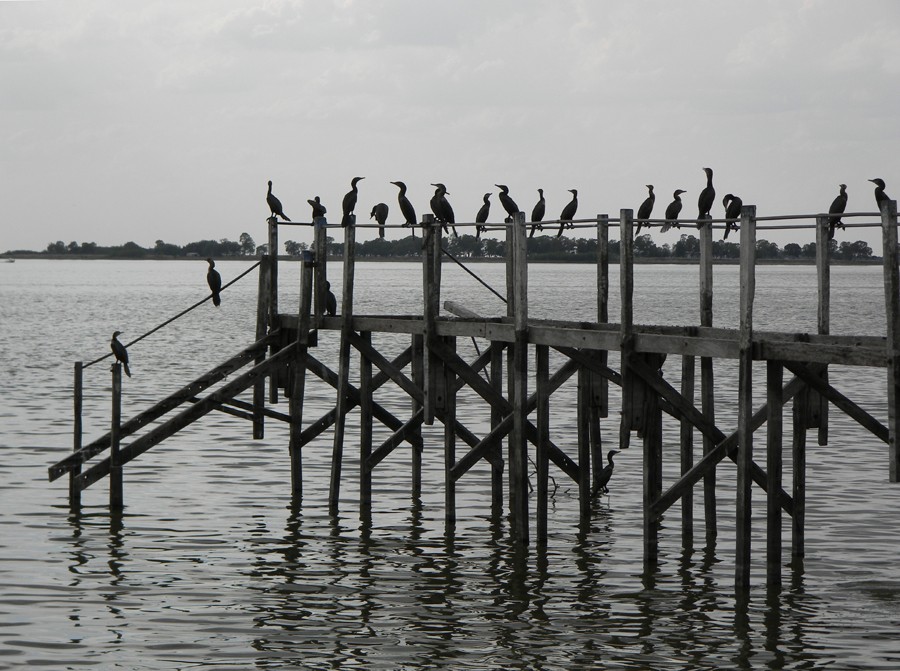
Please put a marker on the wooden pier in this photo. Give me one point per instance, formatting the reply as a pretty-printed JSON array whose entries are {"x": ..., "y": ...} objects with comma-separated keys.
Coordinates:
[{"x": 431, "y": 372}]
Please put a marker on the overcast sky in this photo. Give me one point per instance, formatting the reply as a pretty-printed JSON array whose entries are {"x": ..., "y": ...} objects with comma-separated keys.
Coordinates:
[{"x": 139, "y": 121}]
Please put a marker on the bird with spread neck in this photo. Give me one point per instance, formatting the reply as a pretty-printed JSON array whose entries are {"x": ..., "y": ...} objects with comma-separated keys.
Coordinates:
[
  {"x": 482, "y": 215},
  {"x": 406, "y": 207},
  {"x": 568, "y": 213},
  {"x": 880, "y": 195},
  {"x": 706, "y": 199},
  {"x": 537, "y": 214},
  {"x": 214, "y": 280},
  {"x": 732, "y": 205},
  {"x": 318, "y": 210},
  {"x": 507, "y": 202},
  {"x": 601, "y": 486},
  {"x": 275, "y": 204},
  {"x": 119, "y": 351},
  {"x": 673, "y": 210},
  {"x": 838, "y": 205},
  {"x": 348, "y": 204},
  {"x": 645, "y": 210},
  {"x": 441, "y": 207},
  {"x": 380, "y": 213}
]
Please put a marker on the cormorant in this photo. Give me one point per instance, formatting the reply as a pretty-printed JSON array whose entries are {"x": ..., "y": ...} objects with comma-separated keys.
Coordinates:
[
  {"x": 568, "y": 213},
  {"x": 645, "y": 210},
  {"x": 507, "y": 202},
  {"x": 441, "y": 207},
  {"x": 275, "y": 204},
  {"x": 606, "y": 474},
  {"x": 318, "y": 210},
  {"x": 349, "y": 202},
  {"x": 330, "y": 300},
  {"x": 706, "y": 199},
  {"x": 732, "y": 205},
  {"x": 380, "y": 212},
  {"x": 482, "y": 215},
  {"x": 119, "y": 351},
  {"x": 880, "y": 195},
  {"x": 537, "y": 214},
  {"x": 673, "y": 210},
  {"x": 406, "y": 208},
  {"x": 838, "y": 205},
  {"x": 214, "y": 280}
]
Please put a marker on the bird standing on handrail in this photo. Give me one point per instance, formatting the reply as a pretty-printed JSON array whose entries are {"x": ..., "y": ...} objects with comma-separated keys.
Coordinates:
[
  {"x": 838, "y": 205},
  {"x": 482, "y": 215},
  {"x": 406, "y": 207},
  {"x": 119, "y": 351},
  {"x": 880, "y": 195},
  {"x": 275, "y": 204},
  {"x": 507, "y": 202},
  {"x": 645, "y": 210},
  {"x": 672, "y": 211},
  {"x": 605, "y": 474},
  {"x": 537, "y": 214},
  {"x": 380, "y": 213},
  {"x": 568, "y": 213},
  {"x": 706, "y": 199},
  {"x": 214, "y": 280},
  {"x": 318, "y": 210},
  {"x": 441, "y": 207},
  {"x": 732, "y": 205},
  {"x": 349, "y": 202}
]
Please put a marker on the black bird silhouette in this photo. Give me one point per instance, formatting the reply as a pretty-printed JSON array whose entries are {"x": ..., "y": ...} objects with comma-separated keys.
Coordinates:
[
  {"x": 214, "y": 280},
  {"x": 119, "y": 351},
  {"x": 568, "y": 213},
  {"x": 673, "y": 210},
  {"x": 732, "y": 205},
  {"x": 645, "y": 210},
  {"x": 838, "y": 205},
  {"x": 406, "y": 208},
  {"x": 880, "y": 195},
  {"x": 349, "y": 202},
  {"x": 482, "y": 215},
  {"x": 275, "y": 204},
  {"x": 605, "y": 474},
  {"x": 507, "y": 202},
  {"x": 380, "y": 212},
  {"x": 537, "y": 214},
  {"x": 706, "y": 199},
  {"x": 441, "y": 207},
  {"x": 318, "y": 210},
  {"x": 330, "y": 300}
]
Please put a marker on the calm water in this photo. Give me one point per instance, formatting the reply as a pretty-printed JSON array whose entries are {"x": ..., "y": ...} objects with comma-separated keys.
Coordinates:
[{"x": 212, "y": 567}]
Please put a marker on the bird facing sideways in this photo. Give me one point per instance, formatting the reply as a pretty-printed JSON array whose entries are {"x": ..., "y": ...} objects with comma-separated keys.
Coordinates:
[
  {"x": 732, "y": 205},
  {"x": 406, "y": 207},
  {"x": 645, "y": 210},
  {"x": 507, "y": 202},
  {"x": 441, "y": 207},
  {"x": 673, "y": 210},
  {"x": 838, "y": 205},
  {"x": 537, "y": 214},
  {"x": 119, "y": 351},
  {"x": 568, "y": 213},
  {"x": 214, "y": 280},
  {"x": 380, "y": 213},
  {"x": 348, "y": 204},
  {"x": 482, "y": 215},
  {"x": 605, "y": 474},
  {"x": 880, "y": 195},
  {"x": 275, "y": 204},
  {"x": 706, "y": 199}
]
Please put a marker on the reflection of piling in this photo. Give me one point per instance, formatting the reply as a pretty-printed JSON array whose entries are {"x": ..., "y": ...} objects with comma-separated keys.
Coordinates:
[{"x": 78, "y": 386}]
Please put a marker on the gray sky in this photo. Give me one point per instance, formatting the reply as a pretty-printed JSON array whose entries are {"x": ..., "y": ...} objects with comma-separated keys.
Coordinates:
[{"x": 124, "y": 120}]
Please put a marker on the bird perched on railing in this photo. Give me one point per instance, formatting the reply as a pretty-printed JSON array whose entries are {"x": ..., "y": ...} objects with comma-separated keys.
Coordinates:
[
  {"x": 706, "y": 199},
  {"x": 482, "y": 215},
  {"x": 732, "y": 205},
  {"x": 275, "y": 204},
  {"x": 406, "y": 208},
  {"x": 348, "y": 205},
  {"x": 605, "y": 474},
  {"x": 318, "y": 210},
  {"x": 441, "y": 207},
  {"x": 119, "y": 351},
  {"x": 645, "y": 210},
  {"x": 507, "y": 202},
  {"x": 568, "y": 213},
  {"x": 380, "y": 213},
  {"x": 838, "y": 205},
  {"x": 880, "y": 195},
  {"x": 672, "y": 211},
  {"x": 214, "y": 280},
  {"x": 537, "y": 214}
]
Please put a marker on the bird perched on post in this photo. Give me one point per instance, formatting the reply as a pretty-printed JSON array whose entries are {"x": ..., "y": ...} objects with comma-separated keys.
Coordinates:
[
  {"x": 732, "y": 205},
  {"x": 441, "y": 207},
  {"x": 380, "y": 213},
  {"x": 119, "y": 351},
  {"x": 537, "y": 214},
  {"x": 330, "y": 300},
  {"x": 349, "y": 202},
  {"x": 605, "y": 474},
  {"x": 880, "y": 195},
  {"x": 568, "y": 213},
  {"x": 706, "y": 199},
  {"x": 507, "y": 202},
  {"x": 318, "y": 210},
  {"x": 645, "y": 210},
  {"x": 406, "y": 208},
  {"x": 482, "y": 215},
  {"x": 673, "y": 210},
  {"x": 214, "y": 280},
  {"x": 838, "y": 205},
  {"x": 275, "y": 204}
]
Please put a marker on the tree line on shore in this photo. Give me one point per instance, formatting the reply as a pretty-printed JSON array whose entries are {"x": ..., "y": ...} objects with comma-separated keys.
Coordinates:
[{"x": 542, "y": 247}]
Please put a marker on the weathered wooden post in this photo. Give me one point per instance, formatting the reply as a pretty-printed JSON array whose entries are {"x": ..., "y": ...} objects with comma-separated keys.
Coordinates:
[
  {"x": 298, "y": 375},
  {"x": 823, "y": 272},
  {"x": 583, "y": 422},
  {"x": 431, "y": 261},
  {"x": 320, "y": 252},
  {"x": 78, "y": 400},
  {"x": 496, "y": 375},
  {"x": 418, "y": 378},
  {"x": 745, "y": 398},
  {"x": 262, "y": 317},
  {"x": 707, "y": 380},
  {"x": 518, "y": 391},
  {"x": 272, "y": 318},
  {"x": 116, "y": 499},
  {"x": 449, "y": 439},
  {"x": 343, "y": 388},
  {"x": 892, "y": 313},
  {"x": 626, "y": 344},
  {"x": 599, "y": 384},
  {"x": 688, "y": 370},
  {"x": 774, "y": 431},
  {"x": 542, "y": 383},
  {"x": 365, "y": 430},
  {"x": 798, "y": 467}
]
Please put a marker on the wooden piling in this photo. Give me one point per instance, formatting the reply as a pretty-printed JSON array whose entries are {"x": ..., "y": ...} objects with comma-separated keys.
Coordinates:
[
  {"x": 652, "y": 464},
  {"x": 583, "y": 423},
  {"x": 262, "y": 318},
  {"x": 320, "y": 252},
  {"x": 599, "y": 384},
  {"x": 798, "y": 466},
  {"x": 272, "y": 317},
  {"x": 298, "y": 376},
  {"x": 892, "y": 312},
  {"x": 518, "y": 390},
  {"x": 496, "y": 377},
  {"x": 707, "y": 379},
  {"x": 116, "y": 499},
  {"x": 542, "y": 379},
  {"x": 77, "y": 432},
  {"x": 365, "y": 430},
  {"x": 626, "y": 344},
  {"x": 823, "y": 318},
  {"x": 774, "y": 429},
  {"x": 431, "y": 258},
  {"x": 418, "y": 377},
  {"x": 449, "y": 439},
  {"x": 688, "y": 367}
]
